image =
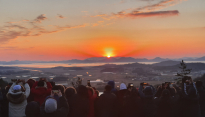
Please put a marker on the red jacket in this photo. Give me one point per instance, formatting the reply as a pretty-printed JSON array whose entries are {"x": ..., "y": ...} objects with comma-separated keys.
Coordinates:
[
  {"x": 92, "y": 98},
  {"x": 41, "y": 93}
]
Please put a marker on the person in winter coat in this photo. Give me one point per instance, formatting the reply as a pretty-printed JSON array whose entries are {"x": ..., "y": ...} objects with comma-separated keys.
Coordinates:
[
  {"x": 120, "y": 98},
  {"x": 190, "y": 106},
  {"x": 30, "y": 82},
  {"x": 121, "y": 93},
  {"x": 80, "y": 102},
  {"x": 5, "y": 102},
  {"x": 69, "y": 93},
  {"x": 201, "y": 91},
  {"x": 165, "y": 104},
  {"x": 112, "y": 84},
  {"x": 147, "y": 96},
  {"x": 50, "y": 108},
  {"x": 1, "y": 99},
  {"x": 107, "y": 103},
  {"x": 40, "y": 90},
  {"x": 92, "y": 97},
  {"x": 32, "y": 109},
  {"x": 132, "y": 106},
  {"x": 17, "y": 97}
]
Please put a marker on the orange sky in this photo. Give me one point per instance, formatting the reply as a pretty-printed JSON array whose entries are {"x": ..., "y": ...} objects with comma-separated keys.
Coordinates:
[{"x": 67, "y": 30}]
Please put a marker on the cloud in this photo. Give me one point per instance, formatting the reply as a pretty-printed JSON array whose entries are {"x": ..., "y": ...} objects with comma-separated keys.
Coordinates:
[
  {"x": 60, "y": 16},
  {"x": 40, "y": 18},
  {"x": 158, "y": 6},
  {"x": 149, "y": 14},
  {"x": 27, "y": 28},
  {"x": 145, "y": 11}
]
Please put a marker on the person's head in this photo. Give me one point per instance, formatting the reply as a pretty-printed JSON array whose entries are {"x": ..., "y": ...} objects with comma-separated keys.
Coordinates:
[
  {"x": 82, "y": 91},
  {"x": 199, "y": 83},
  {"x": 62, "y": 89},
  {"x": 40, "y": 83},
  {"x": 166, "y": 93},
  {"x": 91, "y": 91},
  {"x": 134, "y": 92},
  {"x": 30, "y": 82},
  {"x": 111, "y": 83},
  {"x": 32, "y": 109},
  {"x": 123, "y": 86},
  {"x": 148, "y": 90},
  {"x": 108, "y": 88},
  {"x": 70, "y": 91},
  {"x": 18, "y": 88},
  {"x": 50, "y": 105}
]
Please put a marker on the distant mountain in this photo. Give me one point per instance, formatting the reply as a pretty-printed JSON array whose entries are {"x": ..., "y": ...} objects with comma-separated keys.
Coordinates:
[
  {"x": 167, "y": 63},
  {"x": 158, "y": 59},
  {"x": 107, "y": 60}
]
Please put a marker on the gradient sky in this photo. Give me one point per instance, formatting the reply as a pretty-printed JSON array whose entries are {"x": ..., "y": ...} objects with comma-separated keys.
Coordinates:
[{"x": 78, "y": 29}]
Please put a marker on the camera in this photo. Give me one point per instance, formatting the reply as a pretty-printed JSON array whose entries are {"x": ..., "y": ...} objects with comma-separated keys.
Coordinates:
[
  {"x": 143, "y": 83},
  {"x": 88, "y": 83},
  {"x": 131, "y": 84},
  {"x": 55, "y": 91}
]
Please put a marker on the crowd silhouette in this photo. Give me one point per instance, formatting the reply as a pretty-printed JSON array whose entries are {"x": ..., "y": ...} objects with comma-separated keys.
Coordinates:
[{"x": 45, "y": 99}]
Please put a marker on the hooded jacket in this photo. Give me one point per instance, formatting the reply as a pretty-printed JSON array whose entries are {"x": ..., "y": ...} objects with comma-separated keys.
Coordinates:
[
  {"x": 41, "y": 93},
  {"x": 147, "y": 96},
  {"x": 112, "y": 84},
  {"x": 18, "y": 101}
]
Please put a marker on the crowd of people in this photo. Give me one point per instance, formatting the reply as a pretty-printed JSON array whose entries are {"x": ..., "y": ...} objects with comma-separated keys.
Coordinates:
[{"x": 45, "y": 99}]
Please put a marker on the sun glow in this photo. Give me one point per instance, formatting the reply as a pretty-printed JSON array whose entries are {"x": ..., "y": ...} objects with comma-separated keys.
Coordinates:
[{"x": 108, "y": 56}]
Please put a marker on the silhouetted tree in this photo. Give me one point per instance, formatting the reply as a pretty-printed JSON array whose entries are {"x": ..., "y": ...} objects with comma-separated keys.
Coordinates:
[{"x": 184, "y": 71}]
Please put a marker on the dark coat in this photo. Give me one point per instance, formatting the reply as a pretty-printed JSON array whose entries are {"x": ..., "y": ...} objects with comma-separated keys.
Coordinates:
[
  {"x": 61, "y": 111},
  {"x": 165, "y": 106},
  {"x": 80, "y": 106},
  {"x": 190, "y": 105},
  {"x": 133, "y": 107},
  {"x": 147, "y": 96},
  {"x": 32, "y": 109},
  {"x": 201, "y": 92},
  {"x": 106, "y": 105}
]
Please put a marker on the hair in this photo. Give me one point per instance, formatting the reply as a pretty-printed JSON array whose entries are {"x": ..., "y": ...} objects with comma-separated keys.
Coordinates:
[
  {"x": 108, "y": 88},
  {"x": 30, "y": 82},
  {"x": 82, "y": 91},
  {"x": 40, "y": 83},
  {"x": 61, "y": 88},
  {"x": 97, "y": 92},
  {"x": 70, "y": 91}
]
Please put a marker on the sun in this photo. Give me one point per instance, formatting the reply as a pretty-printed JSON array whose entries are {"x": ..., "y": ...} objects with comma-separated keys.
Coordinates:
[{"x": 108, "y": 56}]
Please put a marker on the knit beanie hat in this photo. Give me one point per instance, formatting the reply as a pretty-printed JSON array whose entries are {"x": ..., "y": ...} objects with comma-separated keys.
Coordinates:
[
  {"x": 16, "y": 87},
  {"x": 122, "y": 86},
  {"x": 50, "y": 105}
]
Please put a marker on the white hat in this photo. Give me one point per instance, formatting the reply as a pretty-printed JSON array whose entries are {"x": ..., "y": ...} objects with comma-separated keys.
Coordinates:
[
  {"x": 50, "y": 105},
  {"x": 122, "y": 86},
  {"x": 16, "y": 87}
]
